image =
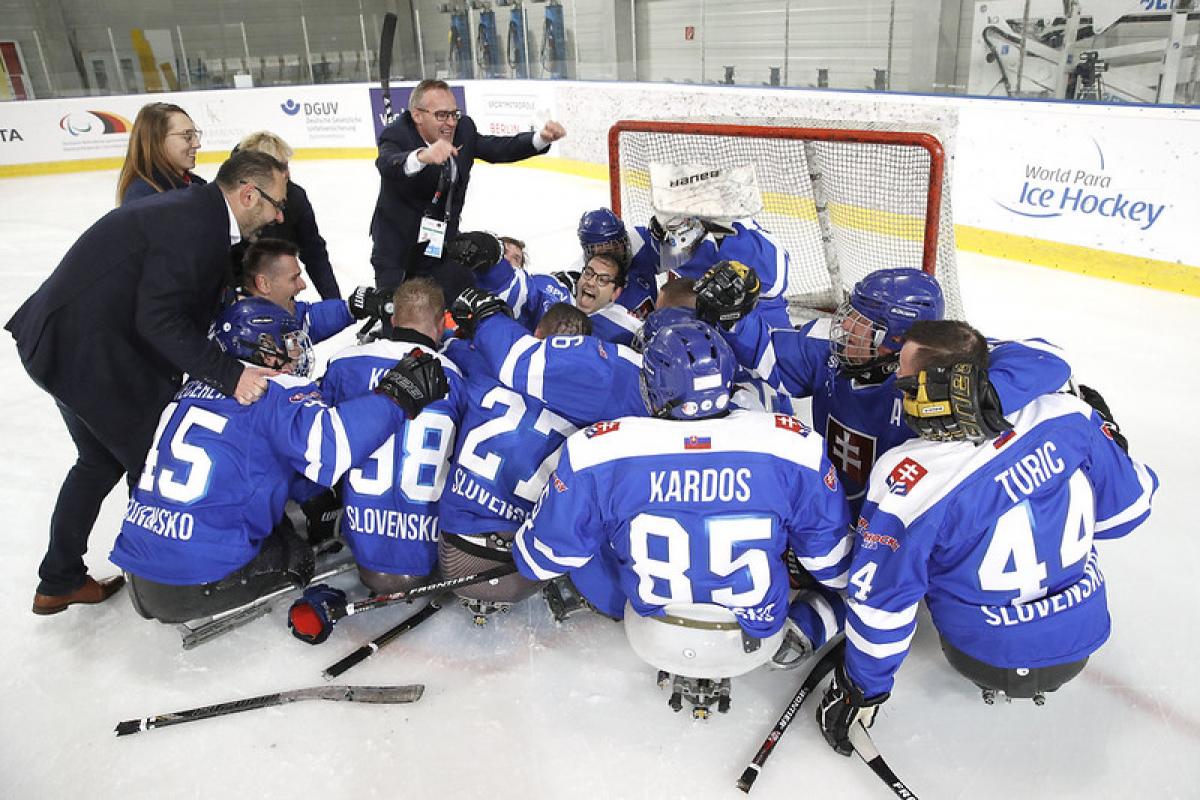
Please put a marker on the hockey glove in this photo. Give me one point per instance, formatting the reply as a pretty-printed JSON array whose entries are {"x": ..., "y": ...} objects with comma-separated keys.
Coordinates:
[
  {"x": 842, "y": 706},
  {"x": 367, "y": 302},
  {"x": 416, "y": 381},
  {"x": 657, "y": 231},
  {"x": 475, "y": 250},
  {"x": 568, "y": 278},
  {"x": 1096, "y": 401},
  {"x": 310, "y": 617},
  {"x": 726, "y": 293},
  {"x": 472, "y": 307},
  {"x": 952, "y": 404}
]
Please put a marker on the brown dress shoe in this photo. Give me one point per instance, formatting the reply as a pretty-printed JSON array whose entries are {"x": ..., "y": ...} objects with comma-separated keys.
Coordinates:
[{"x": 92, "y": 591}]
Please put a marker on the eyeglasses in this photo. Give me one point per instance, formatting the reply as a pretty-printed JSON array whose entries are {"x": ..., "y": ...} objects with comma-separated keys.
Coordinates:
[
  {"x": 279, "y": 206},
  {"x": 192, "y": 136},
  {"x": 600, "y": 278},
  {"x": 443, "y": 116}
]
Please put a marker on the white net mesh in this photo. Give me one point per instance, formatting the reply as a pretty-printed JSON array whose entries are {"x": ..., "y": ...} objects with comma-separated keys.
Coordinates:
[{"x": 843, "y": 207}]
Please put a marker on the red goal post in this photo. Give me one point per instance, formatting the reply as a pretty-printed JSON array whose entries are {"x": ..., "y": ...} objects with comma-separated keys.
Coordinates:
[{"x": 843, "y": 200}]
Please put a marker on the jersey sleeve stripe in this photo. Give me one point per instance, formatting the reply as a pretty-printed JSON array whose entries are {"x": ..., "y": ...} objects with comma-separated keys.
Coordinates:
[
  {"x": 538, "y": 571},
  {"x": 341, "y": 445},
  {"x": 1138, "y": 508},
  {"x": 312, "y": 453},
  {"x": 568, "y": 562},
  {"x": 886, "y": 650},
  {"x": 508, "y": 369},
  {"x": 829, "y": 619},
  {"x": 766, "y": 365},
  {"x": 537, "y": 373},
  {"x": 882, "y": 620},
  {"x": 830, "y": 559}
]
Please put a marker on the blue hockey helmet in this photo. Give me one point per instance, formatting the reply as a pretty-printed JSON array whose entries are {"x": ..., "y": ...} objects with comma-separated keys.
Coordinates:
[
  {"x": 877, "y": 314},
  {"x": 687, "y": 372},
  {"x": 256, "y": 330},
  {"x": 657, "y": 320},
  {"x": 602, "y": 231}
]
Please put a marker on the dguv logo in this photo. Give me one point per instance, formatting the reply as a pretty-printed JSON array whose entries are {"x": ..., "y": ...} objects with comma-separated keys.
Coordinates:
[{"x": 291, "y": 107}]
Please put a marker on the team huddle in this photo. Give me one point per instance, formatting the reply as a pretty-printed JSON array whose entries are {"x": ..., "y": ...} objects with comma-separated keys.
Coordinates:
[{"x": 621, "y": 436}]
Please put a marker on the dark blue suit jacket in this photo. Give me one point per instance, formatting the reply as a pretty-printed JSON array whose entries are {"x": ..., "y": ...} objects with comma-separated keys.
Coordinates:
[
  {"x": 404, "y": 200},
  {"x": 126, "y": 313}
]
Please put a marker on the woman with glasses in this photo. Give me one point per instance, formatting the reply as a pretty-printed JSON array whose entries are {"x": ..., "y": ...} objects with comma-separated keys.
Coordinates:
[{"x": 161, "y": 154}]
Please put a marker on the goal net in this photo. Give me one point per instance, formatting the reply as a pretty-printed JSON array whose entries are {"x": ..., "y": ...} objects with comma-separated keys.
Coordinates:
[{"x": 844, "y": 199}]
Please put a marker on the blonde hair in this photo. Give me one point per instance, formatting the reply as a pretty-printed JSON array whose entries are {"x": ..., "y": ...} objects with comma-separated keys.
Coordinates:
[
  {"x": 418, "y": 302},
  {"x": 145, "y": 154},
  {"x": 269, "y": 143}
]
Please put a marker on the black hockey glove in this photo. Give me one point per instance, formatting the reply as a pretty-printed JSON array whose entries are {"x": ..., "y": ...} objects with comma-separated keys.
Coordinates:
[
  {"x": 952, "y": 404},
  {"x": 656, "y": 230},
  {"x": 1096, "y": 401},
  {"x": 726, "y": 293},
  {"x": 416, "y": 381},
  {"x": 309, "y": 617},
  {"x": 568, "y": 278},
  {"x": 472, "y": 307},
  {"x": 475, "y": 250},
  {"x": 842, "y": 706},
  {"x": 367, "y": 302}
]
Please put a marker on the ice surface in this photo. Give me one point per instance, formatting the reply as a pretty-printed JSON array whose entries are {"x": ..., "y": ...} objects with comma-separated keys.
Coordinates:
[{"x": 525, "y": 708}]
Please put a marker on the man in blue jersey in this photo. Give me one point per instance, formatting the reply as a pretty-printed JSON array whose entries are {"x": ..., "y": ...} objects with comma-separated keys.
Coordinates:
[
  {"x": 991, "y": 519},
  {"x": 529, "y": 295},
  {"x": 390, "y": 499},
  {"x": 687, "y": 247},
  {"x": 204, "y": 531},
  {"x": 508, "y": 445},
  {"x": 847, "y": 364},
  {"x": 691, "y": 510},
  {"x": 270, "y": 269}
]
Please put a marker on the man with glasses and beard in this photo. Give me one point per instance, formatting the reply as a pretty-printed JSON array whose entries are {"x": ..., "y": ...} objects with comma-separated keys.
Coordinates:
[
  {"x": 424, "y": 164},
  {"x": 115, "y": 327}
]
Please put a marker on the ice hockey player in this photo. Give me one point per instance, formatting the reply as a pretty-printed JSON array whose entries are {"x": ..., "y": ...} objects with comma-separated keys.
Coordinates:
[
  {"x": 507, "y": 445},
  {"x": 530, "y": 295},
  {"x": 847, "y": 364},
  {"x": 205, "y": 531},
  {"x": 991, "y": 520},
  {"x": 390, "y": 500},
  {"x": 270, "y": 270},
  {"x": 691, "y": 510}
]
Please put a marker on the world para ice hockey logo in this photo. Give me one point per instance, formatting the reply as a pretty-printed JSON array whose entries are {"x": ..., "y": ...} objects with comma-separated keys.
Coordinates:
[{"x": 905, "y": 476}]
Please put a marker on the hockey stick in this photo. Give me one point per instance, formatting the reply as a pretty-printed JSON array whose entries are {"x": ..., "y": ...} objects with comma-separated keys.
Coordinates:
[
  {"x": 387, "y": 37},
  {"x": 407, "y": 595},
  {"x": 375, "y": 645},
  {"x": 822, "y": 668},
  {"x": 865, "y": 747},
  {"x": 357, "y": 694}
]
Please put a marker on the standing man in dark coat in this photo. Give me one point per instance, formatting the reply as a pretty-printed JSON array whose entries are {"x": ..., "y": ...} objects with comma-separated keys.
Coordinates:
[
  {"x": 115, "y": 327},
  {"x": 424, "y": 164}
]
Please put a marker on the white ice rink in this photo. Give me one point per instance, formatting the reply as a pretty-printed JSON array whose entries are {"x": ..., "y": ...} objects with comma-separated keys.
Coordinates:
[{"x": 526, "y": 709}]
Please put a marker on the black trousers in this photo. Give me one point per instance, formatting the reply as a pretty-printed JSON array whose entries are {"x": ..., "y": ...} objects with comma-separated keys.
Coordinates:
[
  {"x": 284, "y": 560},
  {"x": 1016, "y": 683},
  {"x": 93, "y": 475}
]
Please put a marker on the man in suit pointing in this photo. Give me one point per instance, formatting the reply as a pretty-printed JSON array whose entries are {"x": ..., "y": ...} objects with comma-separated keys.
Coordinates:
[{"x": 424, "y": 163}]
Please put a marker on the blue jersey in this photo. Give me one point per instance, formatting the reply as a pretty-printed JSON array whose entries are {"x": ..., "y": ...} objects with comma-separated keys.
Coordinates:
[
  {"x": 586, "y": 379},
  {"x": 531, "y": 295},
  {"x": 507, "y": 446},
  {"x": 323, "y": 319},
  {"x": 997, "y": 538},
  {"x": 218, "y": 474},
  {"x": 694, "y": 512},
  {"x": 862, "y": 421},
  {"x": 390, "y": 499}
]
